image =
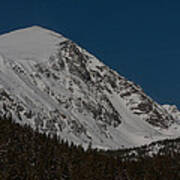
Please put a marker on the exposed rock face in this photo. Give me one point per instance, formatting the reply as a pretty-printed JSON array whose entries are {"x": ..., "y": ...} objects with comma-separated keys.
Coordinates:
[
  {"x": 173, "y": 110},
  {"x": 71, "y": 93}
]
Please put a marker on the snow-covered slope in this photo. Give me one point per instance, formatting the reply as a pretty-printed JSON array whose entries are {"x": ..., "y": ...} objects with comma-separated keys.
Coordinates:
[
  {"x": 52, "y": 84},
  {"x": 32, "y": 43}
]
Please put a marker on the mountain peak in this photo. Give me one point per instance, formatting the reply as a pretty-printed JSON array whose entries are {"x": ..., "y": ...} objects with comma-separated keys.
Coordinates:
[
  {"x": 33, "y": 42},
  {"x": 30, "y": 29},
  {"x": 36, "y": 27}
]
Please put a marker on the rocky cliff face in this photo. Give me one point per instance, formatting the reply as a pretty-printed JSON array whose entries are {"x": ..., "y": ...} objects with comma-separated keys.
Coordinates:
[
  {"x": 173, "y": 110},
  {"x": 52, "y": 84}
]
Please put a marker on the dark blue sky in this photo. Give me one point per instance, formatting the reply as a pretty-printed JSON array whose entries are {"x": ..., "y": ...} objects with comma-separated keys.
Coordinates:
[{"x": 138, "y": 38}]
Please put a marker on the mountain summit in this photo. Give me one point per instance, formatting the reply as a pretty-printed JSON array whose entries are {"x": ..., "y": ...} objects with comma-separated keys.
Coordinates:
[
  {"x": 56, "y": 87},
  {"x": 30, "y": 43}
]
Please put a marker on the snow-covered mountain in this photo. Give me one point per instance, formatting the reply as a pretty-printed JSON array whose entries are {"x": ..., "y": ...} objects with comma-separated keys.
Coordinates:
[{"x": 50, "y": 83}]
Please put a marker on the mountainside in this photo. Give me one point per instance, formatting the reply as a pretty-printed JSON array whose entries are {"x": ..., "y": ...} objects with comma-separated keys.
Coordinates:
[{"x": 50, "y": 83}]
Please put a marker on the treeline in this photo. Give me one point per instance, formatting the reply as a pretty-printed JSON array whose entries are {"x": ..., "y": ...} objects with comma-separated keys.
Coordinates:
[{"x": 28, "y": 155}]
